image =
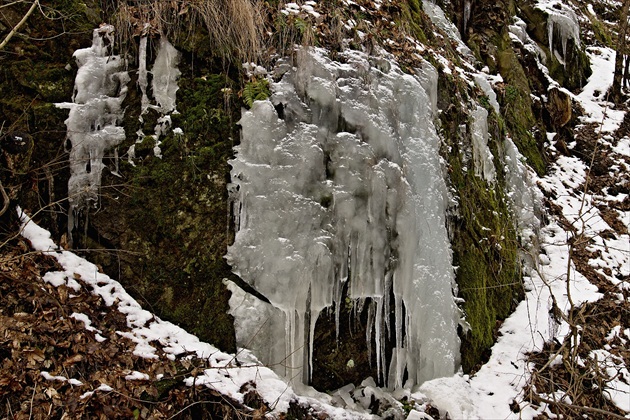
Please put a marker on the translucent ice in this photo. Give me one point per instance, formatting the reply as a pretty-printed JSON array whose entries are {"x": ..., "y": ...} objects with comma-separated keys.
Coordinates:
[
  {"x": 163, "y": 85},
  {"x": 562, "y": 21},
  {"x": 100, "y": 87},
  {"x": 165, "y": 75},
  {"x": 484, "y": 165},
  {"x": 338, "y": 180}
]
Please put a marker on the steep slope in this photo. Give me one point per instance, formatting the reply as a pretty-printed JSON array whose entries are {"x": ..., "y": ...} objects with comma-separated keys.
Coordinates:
[{"x": 407, "y": 146}]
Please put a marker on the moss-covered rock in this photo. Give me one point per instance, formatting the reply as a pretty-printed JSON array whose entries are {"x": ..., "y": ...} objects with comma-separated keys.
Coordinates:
[
  {"x": 483, "y": 233},
  {"x": 574, "y": 69},
  {"x": 171, "y": 213}
]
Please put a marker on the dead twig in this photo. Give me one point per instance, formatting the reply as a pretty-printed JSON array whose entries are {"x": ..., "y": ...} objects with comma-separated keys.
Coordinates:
[
  {"x": 5, "y": 200},
  {"x": 19, "y": 24},
  {"x": 574, "y": 407}
]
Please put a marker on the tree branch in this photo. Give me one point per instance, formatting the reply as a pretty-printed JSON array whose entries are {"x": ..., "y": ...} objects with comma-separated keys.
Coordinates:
[{"x": 20, "y": 23}]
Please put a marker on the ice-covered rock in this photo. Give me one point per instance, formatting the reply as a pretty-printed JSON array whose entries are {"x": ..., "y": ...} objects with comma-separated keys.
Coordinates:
[
  {"x": 95, "y": 115},
  {"x": 482, "y": 156},
  {"x": 337, "y": 181}
]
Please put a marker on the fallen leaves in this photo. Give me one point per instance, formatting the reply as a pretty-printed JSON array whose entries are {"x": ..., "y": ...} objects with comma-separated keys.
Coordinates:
[{"x": 51, "y": 366}]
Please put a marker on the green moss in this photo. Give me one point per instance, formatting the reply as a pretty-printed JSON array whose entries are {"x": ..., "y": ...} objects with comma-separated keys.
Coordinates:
[
  {"x": 485, "y": 250},
  {"x": 516, "y": 104},
  {"x": 484, "y": 238},
  {"x": 173, "y": 212},
  {"x": 414, "y": 19},
  {"x": 576, "y": 70},
  {"x": 207, "y": 108}
]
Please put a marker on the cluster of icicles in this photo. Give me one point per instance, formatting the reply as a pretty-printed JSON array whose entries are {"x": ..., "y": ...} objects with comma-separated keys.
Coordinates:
[
  {"x": 338, "y": 191},
  {"x": 338, "y": 182},
  {"x": 96, "y": 113}
]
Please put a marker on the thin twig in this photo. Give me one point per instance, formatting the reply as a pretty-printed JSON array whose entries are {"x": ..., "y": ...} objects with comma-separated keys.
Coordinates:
[
  {"x": 20, "y": 23},
  {"x": 574, "y": 407},
  {"x": 5, "y": 200},
  {"x": 30, "y": 413}
]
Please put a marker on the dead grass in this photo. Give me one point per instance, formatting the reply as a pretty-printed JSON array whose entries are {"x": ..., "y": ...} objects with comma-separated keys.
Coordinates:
[{"x": 234, "y": 27}]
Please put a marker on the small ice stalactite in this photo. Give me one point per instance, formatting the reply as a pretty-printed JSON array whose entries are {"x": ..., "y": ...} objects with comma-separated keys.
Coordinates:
[
  {"x": 163, "y": 86},
  {"x": 143, "y": 76},
  {"x": 467, "y": 10},
  {"x": 561, "y": 21},
  {"x": 347, "y": 188},
  {"x": 482, "y": 156},
  {"x": 99, "y": 90},
  {"x": 439, "y": 19},
  {"x": 524, "y": 196}
]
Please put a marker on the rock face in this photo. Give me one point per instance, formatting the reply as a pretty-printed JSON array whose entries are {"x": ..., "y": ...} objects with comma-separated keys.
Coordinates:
[
  {"x": 559, "y": 107},
  {"x": 163, "y": 223}
]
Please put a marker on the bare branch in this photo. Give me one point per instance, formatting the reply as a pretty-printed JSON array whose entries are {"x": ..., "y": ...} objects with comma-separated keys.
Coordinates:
[{"x": 20, "y": 23}]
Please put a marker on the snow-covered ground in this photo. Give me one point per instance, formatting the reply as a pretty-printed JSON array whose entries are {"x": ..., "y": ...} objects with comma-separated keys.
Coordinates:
[{"x": 496, "y": 390}]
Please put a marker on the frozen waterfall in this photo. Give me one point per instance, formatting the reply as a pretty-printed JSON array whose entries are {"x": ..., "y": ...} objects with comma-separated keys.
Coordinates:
[
  {"x": 338, "y": 182},
  {"x": 99, "y": 90}
]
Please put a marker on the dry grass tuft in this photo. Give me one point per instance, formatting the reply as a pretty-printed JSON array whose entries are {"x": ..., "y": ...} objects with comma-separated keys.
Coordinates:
[{"x": 234, "y": 27}]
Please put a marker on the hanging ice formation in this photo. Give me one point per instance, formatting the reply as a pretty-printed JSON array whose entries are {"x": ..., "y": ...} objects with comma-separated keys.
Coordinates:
[
  {"x": 99, "y": 89},
  {"x": 439, "y": 19},
  {"x": 338, "y": 181},
  {"x": 482, "y": 156},
  {"x": 163, "y": 85},
  {"x": 562, "y": 21}
]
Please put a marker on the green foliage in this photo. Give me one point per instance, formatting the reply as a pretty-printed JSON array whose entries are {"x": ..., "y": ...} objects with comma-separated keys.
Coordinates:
[
  {"x": 256, "y": 90},
  {"x": 511, "y": 94},
  {"x": 301, "y": 25}
]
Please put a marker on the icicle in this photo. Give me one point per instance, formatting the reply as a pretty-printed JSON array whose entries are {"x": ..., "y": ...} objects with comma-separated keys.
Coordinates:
[
  {"x": 99, "y": 90},
  {"x": 467, "y": 7},
  {"x": 347, "y": 189},
  {"x": 165, "y": 75},
  {"x": 143, "y": 79},
  {"x": 563, "y": 21},
  {"x": 484, "y": 165}
]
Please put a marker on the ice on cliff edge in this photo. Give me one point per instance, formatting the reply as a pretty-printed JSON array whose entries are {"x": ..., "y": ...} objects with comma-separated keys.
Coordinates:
[
  {"x": 338, "y": 179},
  {"x": 95, "y": 113}
]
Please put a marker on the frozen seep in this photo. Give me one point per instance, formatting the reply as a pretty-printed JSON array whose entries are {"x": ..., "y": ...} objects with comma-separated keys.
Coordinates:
[
  {"x": 95, "y": 112},
  {"x": 562, "y": 21},
  {"x": 482, "y": 156},
  {"x": 338, "y": 182},
  {"x": 165, "y": 74},
  {"x": 524, "y": 195}
]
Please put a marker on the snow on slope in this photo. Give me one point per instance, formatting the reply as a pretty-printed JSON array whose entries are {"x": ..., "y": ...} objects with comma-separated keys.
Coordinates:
[
  {"x": 500, "y": 382},
  {"x": 229, "y": 372}
]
